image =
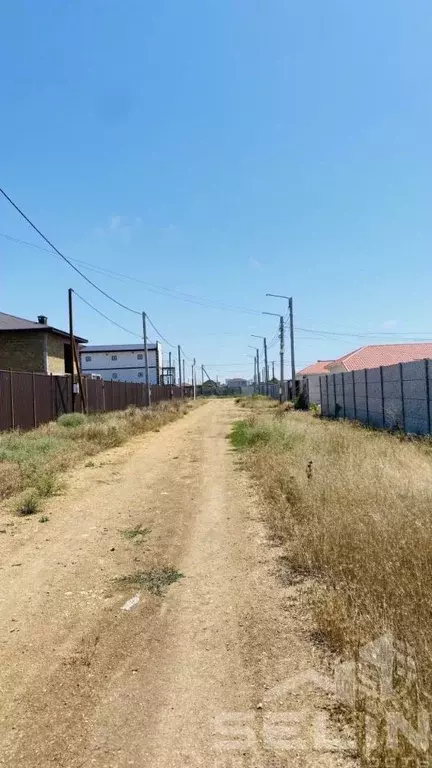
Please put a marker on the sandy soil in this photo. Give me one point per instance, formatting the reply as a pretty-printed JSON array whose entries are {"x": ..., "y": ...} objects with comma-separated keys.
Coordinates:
[{"x": 219, "y": 672}]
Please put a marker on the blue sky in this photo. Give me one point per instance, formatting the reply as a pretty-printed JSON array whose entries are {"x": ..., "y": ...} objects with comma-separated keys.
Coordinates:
[{"x": 221, "y": 149}]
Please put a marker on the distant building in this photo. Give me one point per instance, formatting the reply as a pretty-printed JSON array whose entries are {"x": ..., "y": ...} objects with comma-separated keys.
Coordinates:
[
  {"x": 236, "y": 383},
  {"x": 39, "y": 347},
  {"x": 374, "y": 355},
  {"x": 122, "y": 362}
]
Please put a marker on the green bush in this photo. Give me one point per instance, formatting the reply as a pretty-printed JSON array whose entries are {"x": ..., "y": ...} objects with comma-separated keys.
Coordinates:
[{"x": 71, "y": 420}]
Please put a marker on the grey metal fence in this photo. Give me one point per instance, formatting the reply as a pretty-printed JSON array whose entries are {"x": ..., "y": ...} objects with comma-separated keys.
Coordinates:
[
  {"x": 30, "y": 399},
  {"x": 389, "y": 397}
]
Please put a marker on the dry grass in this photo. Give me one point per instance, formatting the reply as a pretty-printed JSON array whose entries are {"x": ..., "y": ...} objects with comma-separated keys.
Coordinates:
[
  {"x": 354, "y": 510},
  {"x": 32, "y": 461}
]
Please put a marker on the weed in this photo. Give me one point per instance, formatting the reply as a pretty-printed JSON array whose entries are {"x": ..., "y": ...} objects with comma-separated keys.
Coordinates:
[
  {"x": 71, "y": 420},
  {"x": 48, "y": 485},
  {"x": 155, "y": 581},
  {"x": 137, "y": 534},
  {"x": 29, "y": 505},
  {"x": 43, "y": 519},
  {"x": 358, "y": 521}
]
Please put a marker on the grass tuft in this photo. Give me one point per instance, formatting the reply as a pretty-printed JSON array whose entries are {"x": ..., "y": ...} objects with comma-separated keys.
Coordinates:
[
  {"x": 155, "y": 581},
  {"x": 29, "y": 505},
  {"x": 136, "y": 534}
]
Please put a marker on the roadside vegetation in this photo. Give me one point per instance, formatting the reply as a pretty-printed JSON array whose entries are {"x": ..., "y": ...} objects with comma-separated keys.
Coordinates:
[
  {"x": 31, "y": 463},
  {"x": 353, "y": 509}
]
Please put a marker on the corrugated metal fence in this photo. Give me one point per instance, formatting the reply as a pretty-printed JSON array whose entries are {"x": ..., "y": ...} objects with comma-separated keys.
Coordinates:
[
  {"x": 30, "y": 399},
  {"x": 389, "y": 397}
]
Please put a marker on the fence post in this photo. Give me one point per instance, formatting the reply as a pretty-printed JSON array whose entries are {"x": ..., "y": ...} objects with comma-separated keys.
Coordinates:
[
  {"x": 343, "y": 394},
  {"x": 382, "y": 396},
  {"x": 428, "y": 403},
  {"x": 354, "y": 397},
  {"x": 34, "y": 400},
  {"x": 402, "y": 396},
  {"x": 328, "y": 399},
  {"x": 366, "y": 397},
  {"x": 53, "y": 409},
  {"x": 321, "y": 397},
  {"x": 12, "y": 406}
]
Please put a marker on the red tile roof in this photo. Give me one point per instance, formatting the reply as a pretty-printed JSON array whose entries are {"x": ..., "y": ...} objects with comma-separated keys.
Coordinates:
[
  {"x": 375, "y": 355},
  {"x": 316, "y": 368}
]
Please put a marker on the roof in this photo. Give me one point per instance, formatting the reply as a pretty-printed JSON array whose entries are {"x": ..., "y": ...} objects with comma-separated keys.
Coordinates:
[
  {"x": 316, "y": 368},
  {"x": 374, "y": 355},
  {"x": 14, "y": 323},
  {"x": 117, "y": 347}
]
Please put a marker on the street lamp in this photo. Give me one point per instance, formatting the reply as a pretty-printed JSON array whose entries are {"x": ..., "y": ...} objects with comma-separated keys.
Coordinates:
[{"x": 265, "y": 360}]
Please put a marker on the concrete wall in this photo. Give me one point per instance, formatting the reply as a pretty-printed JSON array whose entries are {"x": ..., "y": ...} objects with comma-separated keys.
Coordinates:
[
  {"x": 313, "y": 383},
  {"x": 389, "y": 397},
  {"x": 23, "y": 351}
]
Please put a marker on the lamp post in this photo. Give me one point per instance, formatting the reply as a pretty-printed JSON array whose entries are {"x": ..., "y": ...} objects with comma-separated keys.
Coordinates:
[{"x": 282, "y": 342}]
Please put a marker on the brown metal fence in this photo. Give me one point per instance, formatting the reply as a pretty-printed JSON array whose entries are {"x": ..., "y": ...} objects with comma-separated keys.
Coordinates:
[{"x": 30, "y": 399}]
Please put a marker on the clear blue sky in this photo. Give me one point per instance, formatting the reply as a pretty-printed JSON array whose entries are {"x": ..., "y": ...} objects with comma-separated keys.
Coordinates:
[{"x": 221, "y": 148}]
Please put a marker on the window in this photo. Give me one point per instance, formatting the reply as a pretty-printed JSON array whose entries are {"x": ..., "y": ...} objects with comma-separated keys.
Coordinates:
[
  {"x": 140, "y": 374},
  {"x": 113, "y": 357},
  {"x": 139, "y": 357},
  {"x": 88, "y": 359},
  {"x": 114, "y": 375}
]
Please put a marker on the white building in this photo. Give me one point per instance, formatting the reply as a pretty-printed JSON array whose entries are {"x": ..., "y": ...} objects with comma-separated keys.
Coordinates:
[{"x": 122, "y": 362}]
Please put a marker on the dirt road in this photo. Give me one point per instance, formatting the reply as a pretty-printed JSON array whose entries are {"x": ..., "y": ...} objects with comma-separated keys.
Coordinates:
[{"x": 218, "y": 671}]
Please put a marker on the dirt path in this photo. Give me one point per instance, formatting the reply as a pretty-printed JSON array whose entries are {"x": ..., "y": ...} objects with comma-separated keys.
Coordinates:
[{"x": 187, "y": 679}]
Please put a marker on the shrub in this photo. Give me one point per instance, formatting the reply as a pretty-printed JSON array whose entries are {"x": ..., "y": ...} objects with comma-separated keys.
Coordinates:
[{"x": 72, "y": 420}]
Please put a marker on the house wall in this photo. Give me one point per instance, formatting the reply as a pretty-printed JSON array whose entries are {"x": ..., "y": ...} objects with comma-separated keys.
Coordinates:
[
  {"x": 55, "y": 354},
  {"x": 127, "y": 365},
  {"x": 23, "y": 351}
]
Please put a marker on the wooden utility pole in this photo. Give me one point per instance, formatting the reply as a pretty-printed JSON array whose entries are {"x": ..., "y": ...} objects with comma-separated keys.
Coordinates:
[
  {"x": 144, "y": 320},
  {"x": 266, "y": 367},
  {"x": 71, "y": 342}
]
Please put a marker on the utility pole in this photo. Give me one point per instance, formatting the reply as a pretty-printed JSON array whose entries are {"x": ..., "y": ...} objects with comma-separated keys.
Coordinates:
[
  {"x": 289, "y": 299},
  {"x": 71, "y": 342},
  {"x": 169, "y": 369},
  {"x": 293, "y": 370},
  {"x": 202, "y": 375},
  {"x": 144, "y": 320},
  {"x": 257, "y": 378},
  {"x": 179, "y": 370},
  {"x": 265, "y": 360},
  {"x": 194, "y": 378},
  {"x": 273, "y": 376},
  {"x": 282, "y": 347},
  {"x": 282, "y": 344}
]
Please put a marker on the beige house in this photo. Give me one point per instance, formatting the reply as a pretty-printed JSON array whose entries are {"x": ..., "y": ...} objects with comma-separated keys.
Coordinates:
[{"x": 29, "y": 346}]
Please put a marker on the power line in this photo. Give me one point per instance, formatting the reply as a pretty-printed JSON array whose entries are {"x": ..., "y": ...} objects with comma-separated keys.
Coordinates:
[
  {"x": 159, "y": 333},
  {"x": 159, "y": 289},
  {"x": 106, "y": 316},
  {"x": 68, "y": 261}
]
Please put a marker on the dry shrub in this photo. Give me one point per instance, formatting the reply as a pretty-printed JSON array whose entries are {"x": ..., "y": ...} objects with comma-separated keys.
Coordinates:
[{"x": 355, "y": 508}]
